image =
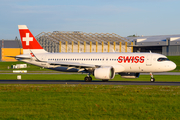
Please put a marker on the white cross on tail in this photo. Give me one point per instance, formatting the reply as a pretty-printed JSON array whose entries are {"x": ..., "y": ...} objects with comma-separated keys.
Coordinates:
[{"x": 27, "y": 39}]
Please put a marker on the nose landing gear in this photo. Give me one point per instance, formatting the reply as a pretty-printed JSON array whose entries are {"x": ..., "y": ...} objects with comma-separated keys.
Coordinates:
[{"x": 152, "y": 78}]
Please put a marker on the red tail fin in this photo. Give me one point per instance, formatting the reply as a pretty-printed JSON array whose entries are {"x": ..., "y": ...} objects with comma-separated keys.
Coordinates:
[{"x": 27, "y": 39}]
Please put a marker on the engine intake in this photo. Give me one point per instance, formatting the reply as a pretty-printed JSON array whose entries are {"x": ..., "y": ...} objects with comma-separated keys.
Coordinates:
[{"x": 104, "y": 73}]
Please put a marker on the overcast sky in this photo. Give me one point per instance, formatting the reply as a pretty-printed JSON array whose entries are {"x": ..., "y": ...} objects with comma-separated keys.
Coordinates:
[{"x": 123, "y": 17}]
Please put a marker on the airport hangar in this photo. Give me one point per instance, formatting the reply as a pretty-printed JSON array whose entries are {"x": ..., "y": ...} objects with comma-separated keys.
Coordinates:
[
  {"x": 76, "y": 41},
  {"x": 168, "y": 45},
  {"x": 70, "y": 42}
]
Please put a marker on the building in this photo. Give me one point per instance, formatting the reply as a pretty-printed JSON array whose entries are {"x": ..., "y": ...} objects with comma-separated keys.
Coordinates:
[
  {"x": 69, "y": 42},
  {"x": 10, "y": 48},
  {"x": 83, "y": 42},
  {"x": 168, "y": 45}
]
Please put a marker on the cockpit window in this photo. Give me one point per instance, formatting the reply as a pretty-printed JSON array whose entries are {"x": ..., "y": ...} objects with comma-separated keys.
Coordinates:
[{"x": 162, "y": 59}]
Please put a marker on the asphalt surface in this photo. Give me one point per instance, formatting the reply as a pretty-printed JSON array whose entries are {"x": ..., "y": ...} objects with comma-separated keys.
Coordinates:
[
  {"x": 93, "y": 82},
  {"x": 164, "y": 73}
]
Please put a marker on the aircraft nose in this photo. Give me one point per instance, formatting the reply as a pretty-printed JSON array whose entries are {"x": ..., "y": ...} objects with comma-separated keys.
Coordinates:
[{"x": 172, "y": 66}]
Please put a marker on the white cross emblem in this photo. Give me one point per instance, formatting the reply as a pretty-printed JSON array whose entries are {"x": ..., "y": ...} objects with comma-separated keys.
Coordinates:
[{"x": 27, "y": 39}]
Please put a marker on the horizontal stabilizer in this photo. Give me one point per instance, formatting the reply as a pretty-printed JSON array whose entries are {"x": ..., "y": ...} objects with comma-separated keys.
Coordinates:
[
  {"x": 24, "y": 56},
  {"x": 10, "y": 56}
]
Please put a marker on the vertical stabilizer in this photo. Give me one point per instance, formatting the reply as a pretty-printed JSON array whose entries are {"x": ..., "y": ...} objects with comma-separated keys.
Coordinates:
[{"x": 28, "y": 41}]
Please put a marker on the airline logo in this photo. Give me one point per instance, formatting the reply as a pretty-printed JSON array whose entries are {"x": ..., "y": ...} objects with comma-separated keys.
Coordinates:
[
  {"x": 27, "y": 39},
  {"x": 131, "y": 59}
]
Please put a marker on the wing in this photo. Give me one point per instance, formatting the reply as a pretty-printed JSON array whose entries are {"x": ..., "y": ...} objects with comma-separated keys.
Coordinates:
[{"x": 70, "y": 65}]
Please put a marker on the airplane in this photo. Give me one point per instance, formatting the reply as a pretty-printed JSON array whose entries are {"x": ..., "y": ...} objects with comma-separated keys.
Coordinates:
[{"x": 101, "y": 65}]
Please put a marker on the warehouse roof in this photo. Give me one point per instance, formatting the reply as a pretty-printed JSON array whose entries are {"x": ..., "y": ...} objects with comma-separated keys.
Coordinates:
[
  {"x": 155, "y": 38},
  {"x": 82, "y": 37}
]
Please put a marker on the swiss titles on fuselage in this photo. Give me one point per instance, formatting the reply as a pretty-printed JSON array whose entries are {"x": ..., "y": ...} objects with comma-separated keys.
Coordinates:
[{"x": 131, "y": 59}]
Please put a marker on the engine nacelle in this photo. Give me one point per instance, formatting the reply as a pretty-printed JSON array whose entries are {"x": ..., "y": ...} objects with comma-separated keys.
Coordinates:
[
  {"x": 104, "y": 73},
  {"x": 129, "y": 75}
]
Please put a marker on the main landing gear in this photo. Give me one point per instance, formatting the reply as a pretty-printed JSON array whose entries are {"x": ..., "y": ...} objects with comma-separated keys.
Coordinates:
[
  {"x": 88, "y": 78},
  {"x": 152, "y": 78}
]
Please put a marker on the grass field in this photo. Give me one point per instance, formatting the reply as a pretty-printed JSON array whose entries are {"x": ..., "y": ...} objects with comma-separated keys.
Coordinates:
[
  {"x": 4, "y": 67},
  {"x": 94, "y": 102},
  {"x": 170, "y": 78}
]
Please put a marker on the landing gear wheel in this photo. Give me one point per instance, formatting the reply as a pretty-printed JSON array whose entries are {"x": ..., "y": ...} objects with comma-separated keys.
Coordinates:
[
  {"x": 152, "y": 80},
  {"x": 88, "y": 79},
  {"x": 105, "y": 80}
]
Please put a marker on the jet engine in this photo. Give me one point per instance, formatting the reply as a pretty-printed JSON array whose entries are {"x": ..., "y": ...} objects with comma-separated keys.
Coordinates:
[
  {"x": 104, "y": 73},
  {"x": 129, "y": 75}
]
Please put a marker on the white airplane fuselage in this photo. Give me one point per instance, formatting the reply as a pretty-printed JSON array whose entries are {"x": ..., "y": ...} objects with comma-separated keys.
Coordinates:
[{"x": 148, "y": 63}]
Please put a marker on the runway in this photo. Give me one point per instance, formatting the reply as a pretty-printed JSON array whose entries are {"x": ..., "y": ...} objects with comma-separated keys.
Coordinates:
[{"x": 88, "y": 83}]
